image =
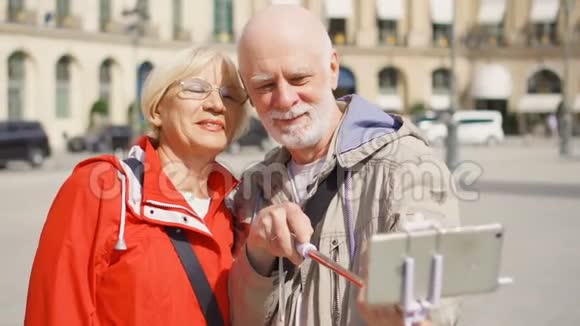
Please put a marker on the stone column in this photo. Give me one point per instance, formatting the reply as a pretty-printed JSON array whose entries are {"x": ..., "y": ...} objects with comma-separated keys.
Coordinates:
[
  {"x": 4, "y": 54},
  {"x": 404, "y": 22},
  {"x": 242, "y": 13},
  {"x": 161, "y": 14},
  {"x": 258, "y": 4},
  {"x": 366, "y": 34},
  {"x": 315, "y": 6},
  {"x": 516, "y": 20},
  {"x": 4, "y": 10},
  {"x": 419, "y": 24},
  {"x": 464, "y": 17},
  {"x": 89, "y": 13},
  {"x": 202, "y": 26}
]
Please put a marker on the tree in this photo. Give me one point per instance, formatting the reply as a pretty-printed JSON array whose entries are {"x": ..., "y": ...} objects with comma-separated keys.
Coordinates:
[
  {"x": 417, "y": 109},
  {"x": 99, "y": 114}
]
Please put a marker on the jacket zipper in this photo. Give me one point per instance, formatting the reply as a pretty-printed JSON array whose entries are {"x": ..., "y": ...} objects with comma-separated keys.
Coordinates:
[
  {"x": 165, "y": 205},
  {"x": 336, "y": 297}
]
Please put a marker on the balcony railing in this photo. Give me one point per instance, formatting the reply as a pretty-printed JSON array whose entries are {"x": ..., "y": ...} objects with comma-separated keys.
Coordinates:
[
  {"x": 485, "y": 37},
  {"x": 69, "y": 22},
  {"x": 24, "y": 16},
  {"x": 114, "y": 27},
  {"x": 182, "y": 35}
]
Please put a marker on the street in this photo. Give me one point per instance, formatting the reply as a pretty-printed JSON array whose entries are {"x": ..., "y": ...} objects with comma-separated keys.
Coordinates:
[{"x": 525, "y": 186}]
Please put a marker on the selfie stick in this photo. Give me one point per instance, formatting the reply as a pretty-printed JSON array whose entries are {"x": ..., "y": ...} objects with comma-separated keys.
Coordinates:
[
  {"x": 308, "y": 250},
  {"x": 416, "y": 311}
]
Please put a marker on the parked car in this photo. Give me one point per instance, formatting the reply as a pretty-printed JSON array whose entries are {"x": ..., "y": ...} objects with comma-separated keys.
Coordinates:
[
  {"x": 256, "y": 135},
  {"x": 110, "y": 139},
  {"x": 473, "y": 127},
  {"x": 23, "y": 141}
]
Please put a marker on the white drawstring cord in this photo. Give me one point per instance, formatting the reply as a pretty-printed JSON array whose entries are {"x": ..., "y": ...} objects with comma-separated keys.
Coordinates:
[
  {"x": 121, "y": 245},
  {"x": 281, "y": 294}
]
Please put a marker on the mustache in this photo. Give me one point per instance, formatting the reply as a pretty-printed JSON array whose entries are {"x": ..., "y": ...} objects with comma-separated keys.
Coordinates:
[{"x": 294, "y": 112}]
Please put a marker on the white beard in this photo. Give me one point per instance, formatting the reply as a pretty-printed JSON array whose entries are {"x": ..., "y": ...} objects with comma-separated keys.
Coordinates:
[{"x": 305, "y": 134}]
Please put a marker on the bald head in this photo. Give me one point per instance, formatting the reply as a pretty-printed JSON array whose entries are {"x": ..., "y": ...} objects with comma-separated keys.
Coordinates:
[
  {"x": 280, "y": 29},
  {"x": 290, "y": 69}
]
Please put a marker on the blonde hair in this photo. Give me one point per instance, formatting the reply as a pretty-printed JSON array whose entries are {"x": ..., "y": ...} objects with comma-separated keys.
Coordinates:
[{"x": 187, "y": 63}]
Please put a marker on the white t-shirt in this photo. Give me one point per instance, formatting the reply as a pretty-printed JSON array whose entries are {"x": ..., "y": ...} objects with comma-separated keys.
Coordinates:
[
  {"x": 301, "y": 176},
  {"x": 199, "y": 205}
]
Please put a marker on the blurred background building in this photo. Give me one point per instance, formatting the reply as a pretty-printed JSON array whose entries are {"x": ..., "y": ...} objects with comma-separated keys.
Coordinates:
[{"x": 75, "y": 64}]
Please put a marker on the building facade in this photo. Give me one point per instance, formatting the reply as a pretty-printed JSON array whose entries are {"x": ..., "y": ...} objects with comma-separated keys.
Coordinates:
[{"x": 65, "y": 62}]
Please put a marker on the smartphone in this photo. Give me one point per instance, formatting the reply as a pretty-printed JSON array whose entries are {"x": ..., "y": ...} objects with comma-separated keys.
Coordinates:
[{"x": 471, "y": 262}]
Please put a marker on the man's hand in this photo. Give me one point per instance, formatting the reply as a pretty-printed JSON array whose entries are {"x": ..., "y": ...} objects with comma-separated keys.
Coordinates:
[
  {"x": 274, "y": 233},
  {"x": 390, "y": 315}
]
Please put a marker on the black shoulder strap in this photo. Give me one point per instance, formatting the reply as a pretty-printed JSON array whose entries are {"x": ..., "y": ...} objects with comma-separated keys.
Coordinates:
[
  {"x": 197, "y": 278},
  {"x": 189, "y": 261},
  {"x": 317, "y": 205}
]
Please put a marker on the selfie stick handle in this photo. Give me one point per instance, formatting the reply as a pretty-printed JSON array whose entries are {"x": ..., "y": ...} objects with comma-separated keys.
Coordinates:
[{"x": 417, "y": 310}]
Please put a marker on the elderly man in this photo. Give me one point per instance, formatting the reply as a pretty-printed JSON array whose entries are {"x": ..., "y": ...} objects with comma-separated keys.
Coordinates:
[{"x": 346, "y": 171}]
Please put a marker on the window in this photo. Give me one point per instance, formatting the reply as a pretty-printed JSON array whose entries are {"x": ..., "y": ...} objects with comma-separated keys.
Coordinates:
[
  {"x": 62, "y": 12},
  {"x": 63, "y": 87},
  {"x": 493, "y": 34},
  {"x": 104, "y": 14},
  {"x": 544, "y": 82},
  {"x": 441, "y": 81},
  {"x": 15, "y": 7},
  {"x": 177, "y": 21},
  {"x": 143, "y": 71},
  {"x": 143, "y": 7},
  {"x": 543, "y": 19},
  {"x": 544, "y": 34},
  {"x": 105, "y": 78},
  {"x": 442, "y": 35},
  {"x": 388, "y": 81},
  {"x": 387, "y": 31},
  {"x": 337, "y": 30},
  {"x": 16, "y": 85},
  {"x": 346, "y": 83},
  {"x": 490, "y": 21},
  {"x": 337, "y": 12},
  {"x": 223, "y": 21}
]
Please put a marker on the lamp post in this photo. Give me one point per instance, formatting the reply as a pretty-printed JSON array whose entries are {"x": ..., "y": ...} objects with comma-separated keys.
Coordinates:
[
  {"x": 565, "y": 118},
  {"x": 137, "y": 30},
  {"x": 452, "y": 151}
]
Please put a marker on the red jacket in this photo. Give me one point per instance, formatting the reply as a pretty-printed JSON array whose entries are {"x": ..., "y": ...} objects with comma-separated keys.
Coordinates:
[{"x": 79, "y": 278}]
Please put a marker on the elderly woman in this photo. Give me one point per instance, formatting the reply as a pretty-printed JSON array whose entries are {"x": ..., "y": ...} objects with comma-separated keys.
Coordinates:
[{"x": 149, "y": 240}]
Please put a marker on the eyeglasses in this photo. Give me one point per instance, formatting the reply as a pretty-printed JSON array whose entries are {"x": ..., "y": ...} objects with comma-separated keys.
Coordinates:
[{"x": 199, "y": 89}]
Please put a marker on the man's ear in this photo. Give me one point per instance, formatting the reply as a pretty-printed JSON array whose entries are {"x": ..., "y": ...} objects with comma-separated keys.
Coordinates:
[
  {"x": 246, "y": 89},
  {"x": 334, "y": 69}
]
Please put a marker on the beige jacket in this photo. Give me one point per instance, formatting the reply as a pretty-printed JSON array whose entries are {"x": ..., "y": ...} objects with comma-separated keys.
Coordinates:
[{"x": 393, "y": 175}]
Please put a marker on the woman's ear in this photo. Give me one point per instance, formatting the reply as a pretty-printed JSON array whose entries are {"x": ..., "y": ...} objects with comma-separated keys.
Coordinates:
[{"x": 155, "y": 117}]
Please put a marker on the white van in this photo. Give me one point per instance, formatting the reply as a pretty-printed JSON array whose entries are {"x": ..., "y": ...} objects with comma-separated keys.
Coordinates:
[{"x": 474, "y": 127}]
